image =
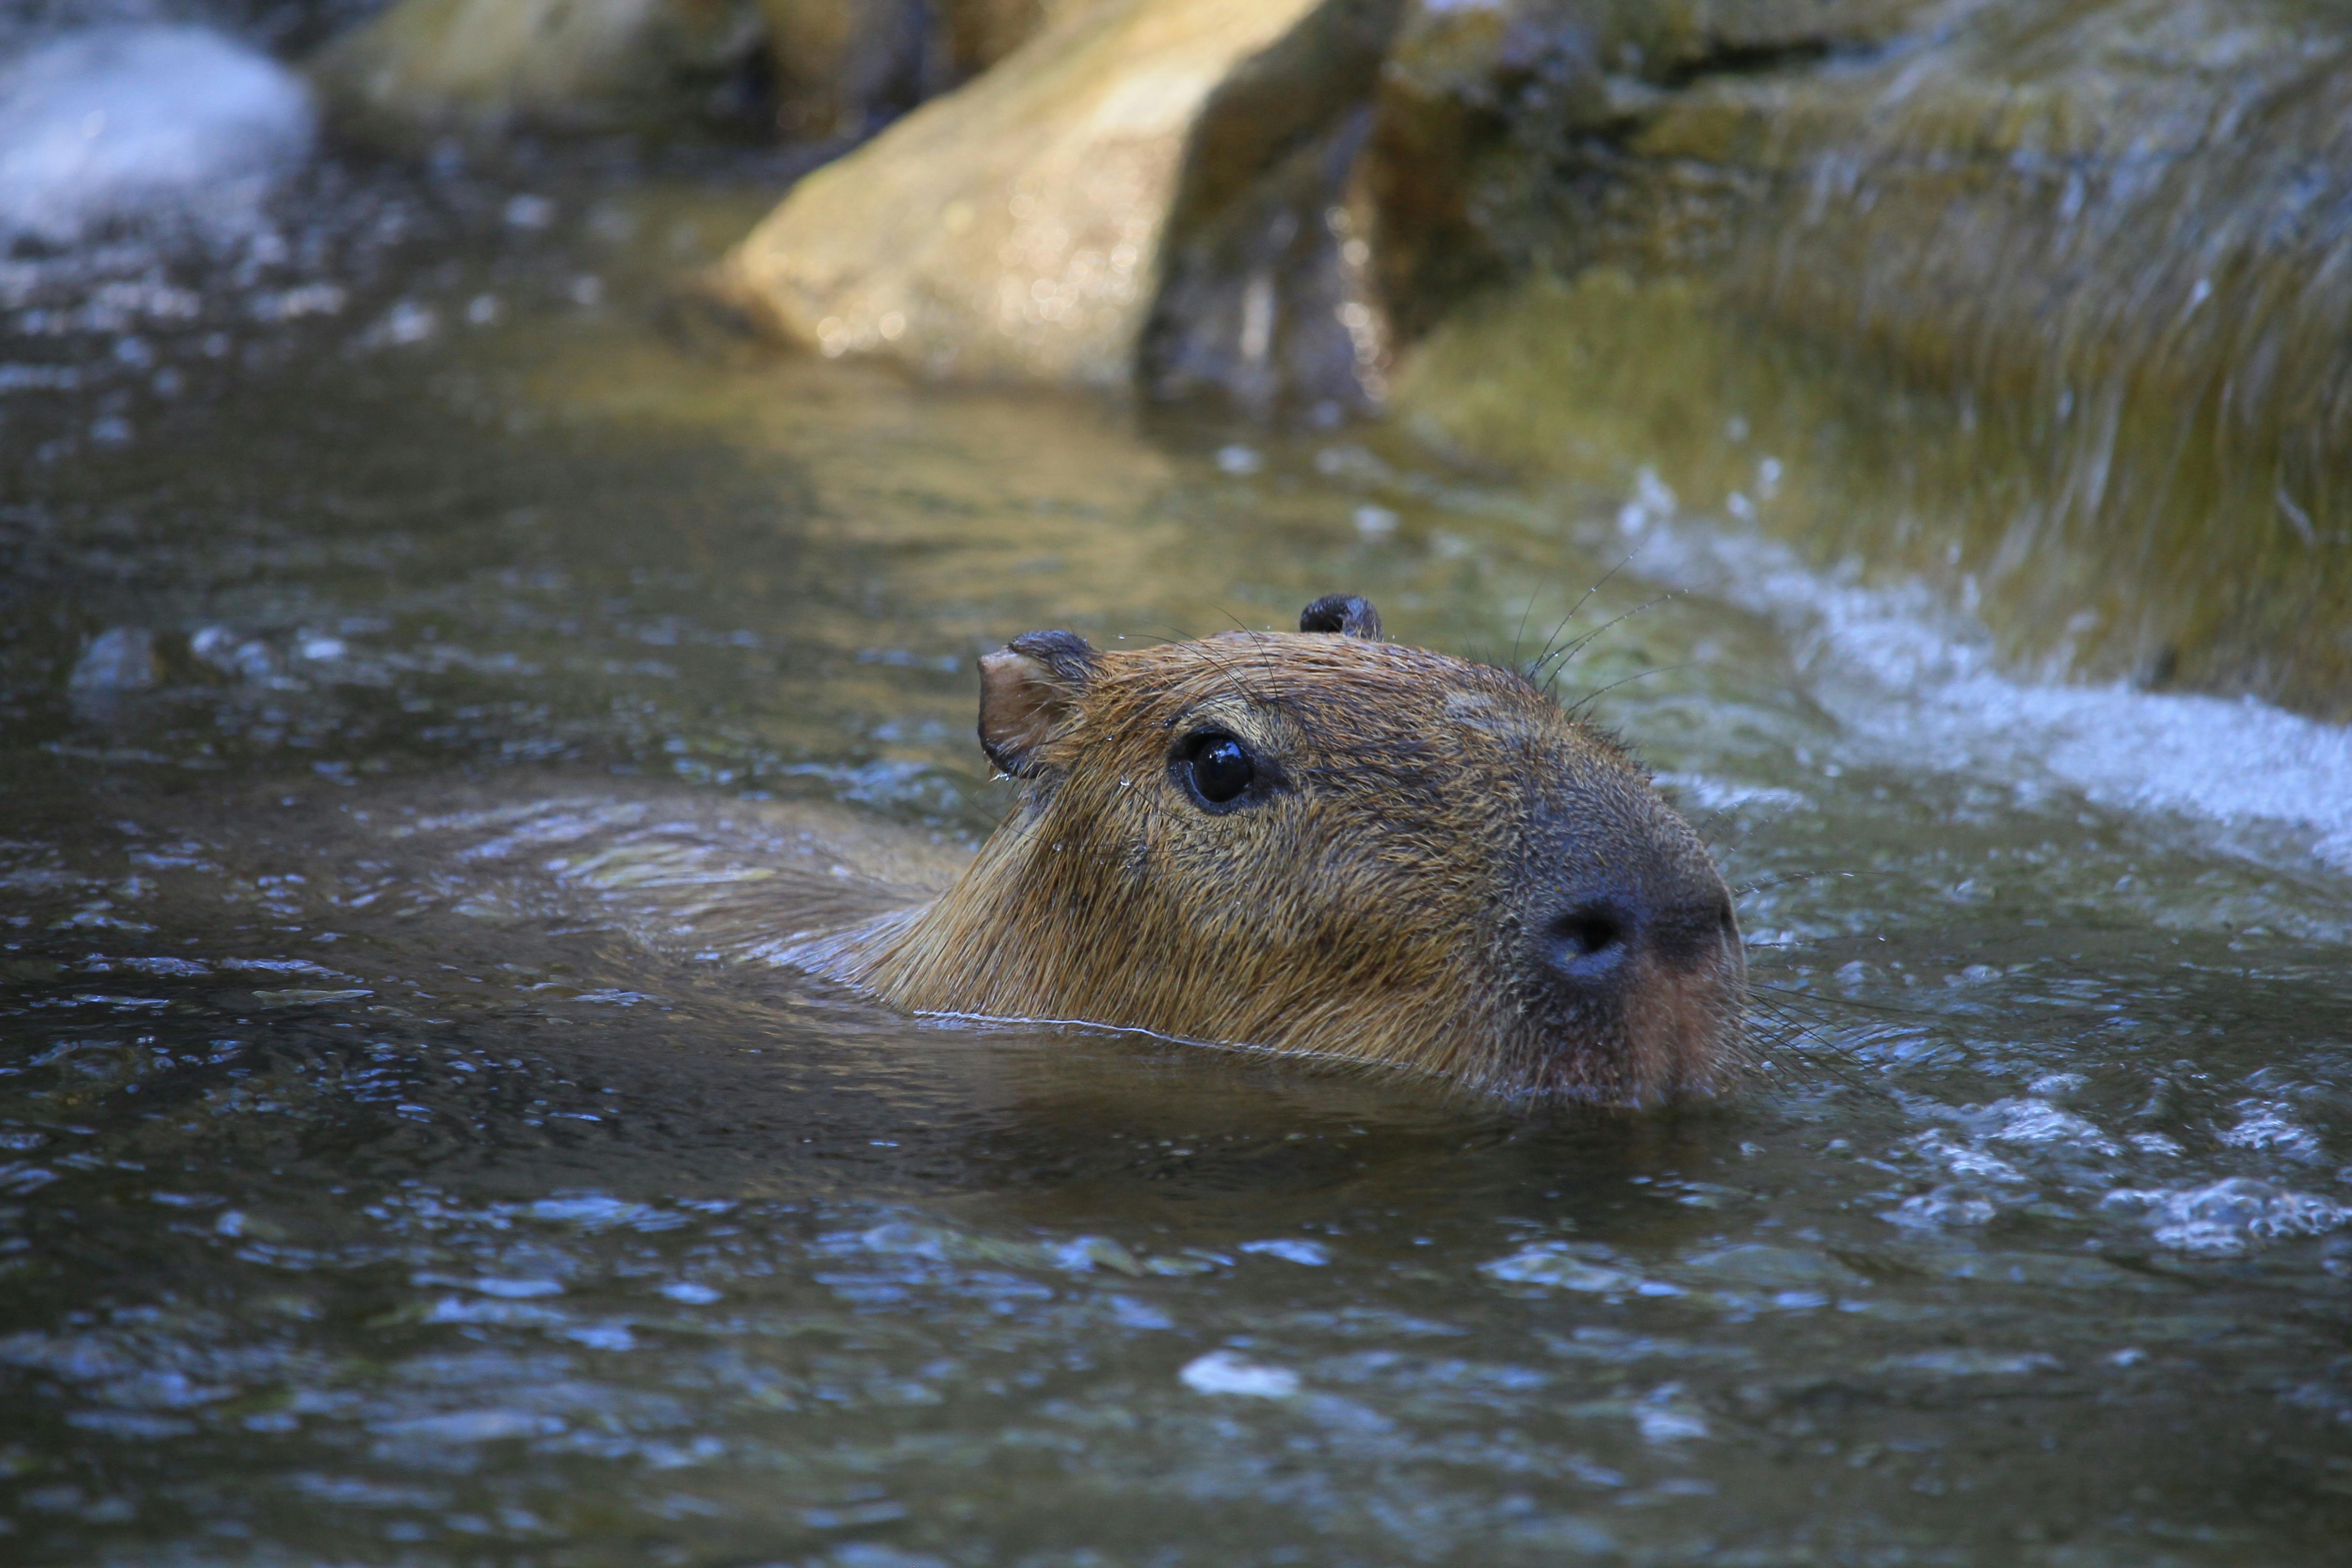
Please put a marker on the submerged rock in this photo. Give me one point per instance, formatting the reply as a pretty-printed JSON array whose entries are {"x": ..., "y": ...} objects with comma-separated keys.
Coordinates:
[{"x": 1153, "y": 184}]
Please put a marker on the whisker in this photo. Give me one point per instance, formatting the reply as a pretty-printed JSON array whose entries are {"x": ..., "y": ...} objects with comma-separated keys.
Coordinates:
[
  {"x": 1558, "y": 661},
  {"x": 1521, "y": 630},
  {"x": 1821, "y": 1000},
  {"x": 1529, "y": 673},
  {"x": 1225, "y": 666},
  {"x": 1257, "y": 640},
  {"x": 1585, "y": 706},
  {"x": 1747, "y": 825},
  {"x": 1815, "y": 1052},
  {"x": 1783, "y": 880}
]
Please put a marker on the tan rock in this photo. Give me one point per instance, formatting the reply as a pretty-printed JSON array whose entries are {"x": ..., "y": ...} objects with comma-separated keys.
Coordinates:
[{"x": 1012, "y": 230}]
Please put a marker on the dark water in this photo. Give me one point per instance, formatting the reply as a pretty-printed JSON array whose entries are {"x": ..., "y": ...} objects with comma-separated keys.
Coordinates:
[{"x": 400, "y": 700}]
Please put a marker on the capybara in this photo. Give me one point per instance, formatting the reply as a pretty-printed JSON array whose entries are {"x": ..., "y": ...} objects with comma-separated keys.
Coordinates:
[{"x": 1326, "y": 845}]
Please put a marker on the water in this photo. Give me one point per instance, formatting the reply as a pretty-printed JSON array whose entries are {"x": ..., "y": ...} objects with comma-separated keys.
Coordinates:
[{"x": 402, "y": 691}]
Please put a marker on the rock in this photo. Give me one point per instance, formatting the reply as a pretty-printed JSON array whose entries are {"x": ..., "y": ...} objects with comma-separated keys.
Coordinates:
[
  {"x": 979, "y": 33},
  {"x": 1137, "y": 172},
  {"x": 1479, "y": 110},
  {"x": 1500, "y": 148},
  {"x": 1266, "y": 294},
  {"x": 841, "y": 71},
  {"x": 429, "y": 67},
  {"x": 2063, "y": 284},
  {"x": 2044, "y": 300},
  {"x": 824, "y": 71}
]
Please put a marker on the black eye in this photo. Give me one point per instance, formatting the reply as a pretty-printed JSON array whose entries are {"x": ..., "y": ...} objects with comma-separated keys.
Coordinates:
[{"x": 1221, "y": 768}]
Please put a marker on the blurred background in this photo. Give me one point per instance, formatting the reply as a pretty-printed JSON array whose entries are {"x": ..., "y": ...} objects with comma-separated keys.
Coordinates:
[{"x": 476, "y": 469}]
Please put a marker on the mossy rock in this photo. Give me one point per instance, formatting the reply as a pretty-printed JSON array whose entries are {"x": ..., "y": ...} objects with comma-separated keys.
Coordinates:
[
  {"x": 2071, "y": 279},
  {"x": 1587, "y": 384}
]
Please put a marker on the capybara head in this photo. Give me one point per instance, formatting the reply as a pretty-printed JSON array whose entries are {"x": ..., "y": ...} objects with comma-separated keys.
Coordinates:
[{"x": 1325, "y": 843}]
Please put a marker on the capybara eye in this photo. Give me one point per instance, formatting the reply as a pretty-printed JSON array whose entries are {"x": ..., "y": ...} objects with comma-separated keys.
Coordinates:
[{"x": 1222, "y": 768}]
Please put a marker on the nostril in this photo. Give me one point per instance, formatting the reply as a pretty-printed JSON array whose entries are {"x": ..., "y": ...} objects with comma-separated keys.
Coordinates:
[
  {"x": 1588, "y": 931},
  {"x": 1588, "y": 939}
]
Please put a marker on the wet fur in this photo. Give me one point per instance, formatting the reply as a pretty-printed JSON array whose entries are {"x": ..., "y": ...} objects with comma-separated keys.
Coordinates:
[{"x": 1377, "y": 904}]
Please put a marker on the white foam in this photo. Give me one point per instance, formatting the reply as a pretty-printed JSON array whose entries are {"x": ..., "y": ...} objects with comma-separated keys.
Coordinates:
[
  {"x": 1912, "y": 682},
  {"x": 1221, "y": 1371},
  {"x": 2230, "y": 1215},
  {"x": 131, "y": 123}
]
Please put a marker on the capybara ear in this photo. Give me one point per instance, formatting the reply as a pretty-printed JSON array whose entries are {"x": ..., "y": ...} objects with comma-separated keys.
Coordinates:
[
  {"x": 1026, "y": 689},
  {"x": 1349, "y": 614}
]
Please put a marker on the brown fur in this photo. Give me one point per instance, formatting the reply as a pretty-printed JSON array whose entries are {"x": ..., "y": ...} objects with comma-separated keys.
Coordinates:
[{"x": 1384, "y": 902}]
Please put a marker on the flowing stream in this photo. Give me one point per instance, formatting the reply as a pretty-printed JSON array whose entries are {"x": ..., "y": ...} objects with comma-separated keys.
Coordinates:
[{"x": 417, "y": 634}]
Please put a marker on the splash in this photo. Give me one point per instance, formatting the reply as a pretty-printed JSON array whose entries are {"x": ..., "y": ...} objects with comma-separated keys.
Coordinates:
[
  {"x": 1917, "y": 684},
  {"x": 171, "y": 126}
]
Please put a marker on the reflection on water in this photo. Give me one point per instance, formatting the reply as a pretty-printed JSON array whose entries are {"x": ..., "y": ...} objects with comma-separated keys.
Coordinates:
[{"x": 403, "y": 1157}]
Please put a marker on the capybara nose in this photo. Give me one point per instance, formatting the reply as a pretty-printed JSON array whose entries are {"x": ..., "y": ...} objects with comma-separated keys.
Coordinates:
[
  {"x": 1594, "y": 943},
  {"x": 1694, "y": 924}
]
